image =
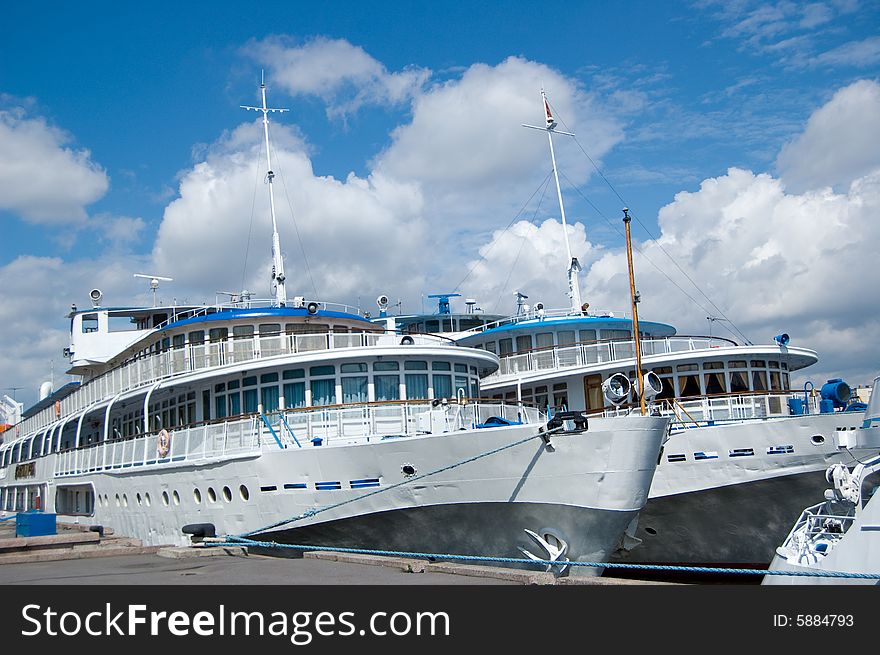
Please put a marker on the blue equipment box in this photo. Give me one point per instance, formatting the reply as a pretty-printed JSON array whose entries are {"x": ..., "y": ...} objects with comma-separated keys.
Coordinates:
[{"x": 35, "y": 524}]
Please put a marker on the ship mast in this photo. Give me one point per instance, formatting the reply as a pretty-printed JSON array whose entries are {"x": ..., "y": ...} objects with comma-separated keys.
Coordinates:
[
  {"x": 634, "y": 296},
  {"x": 574, "y": 267},
  {"x": 278, "y": 277}
]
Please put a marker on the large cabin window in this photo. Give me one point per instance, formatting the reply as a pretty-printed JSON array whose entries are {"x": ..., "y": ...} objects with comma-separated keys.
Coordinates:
[
  {"x": 523, "y": 343},
  {"x": 759, "y": 380},
  {"x": 354, "y": 387},
  {"x": 616, "y": 334},
  {"x": 689, "y": 384},
  {"x": 323, "y": 390},
  {"x": 544, "y": 340},
  {"x": 587, "y": 336},
  {"x": 505, "y": 346},
  {"x": 565, "y": 337},
  {"x": 490, "y": 347},
  {"x": 714, "y": 380},
  {"x": 269, "y": 392},
  {"x": 739, "y": 381}
]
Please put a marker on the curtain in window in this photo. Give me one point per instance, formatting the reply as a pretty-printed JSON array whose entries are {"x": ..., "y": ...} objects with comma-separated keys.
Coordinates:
[
  {"x": 442, "y": 386},
  {"x": 416, "y": 386},
  {"x": 323, "y": 392},
  {"x": 270, "y": 398},
  {"x": 295, "y": 394},
  {"x": 387, "y": 387},
  {"x": 354, "y": 389}
]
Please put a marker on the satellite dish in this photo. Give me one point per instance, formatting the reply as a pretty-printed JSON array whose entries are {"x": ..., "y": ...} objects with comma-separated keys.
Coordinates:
[
  {"x": 653, "y": 385},
  {"x": 616, "y": 388}
]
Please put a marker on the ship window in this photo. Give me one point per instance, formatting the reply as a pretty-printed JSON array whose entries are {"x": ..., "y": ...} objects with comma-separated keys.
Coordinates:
[
  {"x": 442, "y": 386},
  {"x": 713, "y": 365},
  {"x": 784, "y": 366},
  {"x": 615, "y": 334},
  {"x": 736, "y": 363},
  {"x": 270, "y": 328},
  {"x": 686, "y": 367},
  {"x": 461, "y": 368},
  {"x": 544, "y": 340},
  {"x": 387, "y": 387},
  {"x": 505, "y": 346},
  {"x": 758, "y": 363},
  {"x": 689, "y": 385},
  {"x": 249, "y": 381},
  {"x": 233, "y": 384},
  {"x": 447, "y": 325},
  {"x": 250, "y": 401},
  {"x": 219, "y": 387},
  {"x": 469, "y": 323},
  {"x": 739, "y": 381},
  {"x": 774, "y": 381},
  {"x": 432, "y": 326},
  {"x": 416, "y": 386},
  {"x": 415, "y": 366},
  {"x": 179, "y": 340},
  {"x": 234, "y": 404},
  {"x": 158, "y": 319},
  {"x": 490, "y": 346},
  {"x": 587, "y": 335},
  {"x": 89, "y": 323},
  {"x": 359, "y": 367},
  {"x": 441, "y": 366},
  {"x": 386, "y": 366},
  {"x": 714, "y": 382},
  {"x": 242, "y": 331},
  {"x": 354, "y": 389},
  {"x": 220, "y": 406},
  {"x": 322, "y": 370},
  {"x": 293, "y": 374},
  {"x": 565, "y": 337},
  {"x": 267, "y": 378},
  {"x": 560, "y": 386},
  {"x": 461, "y": 385},
  {"x": 197, "y": 337},
  {"x": 774, "y": 364},
  {"x": 759, "y": 380},
  {"x": 323, "y": 391},
  {"x": 218, "y": 334},
  {"x": 663, "y": 370},
  {"x": 295, "y": 394},
  {"x": 785, "y": 383},
  {"x": 269, "y": 396},
  {"x": 523, "y": 343}
]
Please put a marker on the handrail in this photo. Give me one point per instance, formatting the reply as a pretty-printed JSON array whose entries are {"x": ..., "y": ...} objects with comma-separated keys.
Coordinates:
[
  {"x": 599, "y": 352},
  {"x": 546, "y": 313},
  {"x": 144, "y": 369}
]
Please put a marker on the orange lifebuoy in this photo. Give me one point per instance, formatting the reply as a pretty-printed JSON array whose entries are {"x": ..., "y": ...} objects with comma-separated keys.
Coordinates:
[{"x": 164, "y": 443}]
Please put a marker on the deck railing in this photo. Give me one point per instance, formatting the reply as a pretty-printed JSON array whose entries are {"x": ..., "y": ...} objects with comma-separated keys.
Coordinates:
[
  {"x": 251, "y": 435},
  {"x": 147, "y": 369},
  {"x": 585, "y": 354}
]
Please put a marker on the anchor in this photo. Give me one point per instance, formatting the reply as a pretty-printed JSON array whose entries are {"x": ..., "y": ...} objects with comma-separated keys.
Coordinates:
[{"x": 553, "y": 552}]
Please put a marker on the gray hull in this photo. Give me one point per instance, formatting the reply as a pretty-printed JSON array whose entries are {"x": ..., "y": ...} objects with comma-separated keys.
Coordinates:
[
  {"x": 491, "y": 529},
  {"x": 737, "y": 525}
]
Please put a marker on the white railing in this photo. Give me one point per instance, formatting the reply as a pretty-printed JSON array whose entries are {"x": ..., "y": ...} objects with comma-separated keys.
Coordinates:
[
  {"x": 251, "y": 435},
  {"x": 533, "y": 315},
  {"x": 251, "y": 303},
  {"x": 816, "y": 526},
  {"x": 729, "y": 407},
  {"x": 145, "y": 370},
  {"x": 585, "y": 354},
  {"x": 190, "y": 445}
]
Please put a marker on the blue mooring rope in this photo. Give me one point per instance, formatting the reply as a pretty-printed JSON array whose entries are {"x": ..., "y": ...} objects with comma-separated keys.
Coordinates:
[{"x": 240, "y": 541}]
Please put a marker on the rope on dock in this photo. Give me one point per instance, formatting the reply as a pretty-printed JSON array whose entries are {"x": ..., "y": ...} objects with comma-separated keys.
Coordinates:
[{"x": 241, "y": 541}]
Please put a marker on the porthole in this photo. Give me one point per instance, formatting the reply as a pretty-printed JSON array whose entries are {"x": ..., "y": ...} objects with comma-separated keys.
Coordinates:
[
  {"x": 124, "y": 500},
  {"x": 197, "y": 496},
  {"x": 408, "y": 470},
  {"x": 243, "y": 491},
  {"x": 118, "y": 502},
  {"x": 147, "y": 499},
  {"x": 139, "y": 500},
  {"x": 165, "y": 500},
  {"x": 227, "y": 494},
  {"x": 651, "y": 531},
  {"x": 212, "y": 495},
  {"x": 817, "y": 439},
  {"x": 176, "y": 497}
]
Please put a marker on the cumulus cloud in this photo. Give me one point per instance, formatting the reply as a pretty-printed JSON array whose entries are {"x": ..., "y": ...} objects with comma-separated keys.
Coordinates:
[
  {"x": 341, "y": 74},
  {"x": 841, "y": 141},
  {"x": 41, "y": 179},
  {"x": 465, "y": 142},
  {"x": 337, "y": 233}
]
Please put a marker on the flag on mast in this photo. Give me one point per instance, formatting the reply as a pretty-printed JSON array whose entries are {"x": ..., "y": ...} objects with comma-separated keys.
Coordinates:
[{"x": 550, "y": 122}]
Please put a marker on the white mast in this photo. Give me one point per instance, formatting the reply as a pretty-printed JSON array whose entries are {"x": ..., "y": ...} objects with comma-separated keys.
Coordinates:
[
  {"x": 574, "y": 267},
  {"x": 277, "y": 260}
]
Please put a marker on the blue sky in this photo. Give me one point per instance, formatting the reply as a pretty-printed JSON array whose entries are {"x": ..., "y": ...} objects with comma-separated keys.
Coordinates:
[{"x": 131, "y": 108}]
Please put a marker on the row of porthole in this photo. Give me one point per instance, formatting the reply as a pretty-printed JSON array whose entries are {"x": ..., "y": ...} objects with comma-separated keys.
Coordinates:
[{"x": 174, "y": 497}]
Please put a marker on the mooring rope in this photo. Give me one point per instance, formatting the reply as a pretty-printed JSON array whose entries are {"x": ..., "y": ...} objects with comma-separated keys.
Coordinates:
[{"x": 240, "y": 541}]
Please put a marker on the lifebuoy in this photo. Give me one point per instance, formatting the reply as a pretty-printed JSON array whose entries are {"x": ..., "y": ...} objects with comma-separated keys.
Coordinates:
[
  {"x": 164, "y": 443},
  {"x": 407, "y": 341}
]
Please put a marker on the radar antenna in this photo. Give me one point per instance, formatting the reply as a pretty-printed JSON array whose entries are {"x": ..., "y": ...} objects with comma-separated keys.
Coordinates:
[{"x": 154, "y": 282}]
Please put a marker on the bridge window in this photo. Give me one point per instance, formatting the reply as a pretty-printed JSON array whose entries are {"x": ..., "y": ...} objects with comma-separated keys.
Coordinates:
[{"x": 89, "y": 323}]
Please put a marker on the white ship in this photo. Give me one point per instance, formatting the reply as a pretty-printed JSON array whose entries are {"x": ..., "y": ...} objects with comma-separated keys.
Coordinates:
[
  {"x": 842, "y": 533},
  {"x": 747, "y": 452},
  {"x": 304, "y": 422}
]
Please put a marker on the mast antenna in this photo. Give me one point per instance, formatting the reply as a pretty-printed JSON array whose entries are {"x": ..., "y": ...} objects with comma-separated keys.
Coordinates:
[
  {"x": 278, "y": 277},
  {"x": 574, "y": 267}
]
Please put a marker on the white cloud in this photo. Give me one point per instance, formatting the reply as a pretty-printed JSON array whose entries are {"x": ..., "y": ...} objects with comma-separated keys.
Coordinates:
[
  {"x": 40, "y": 179},
  {"x": 217, "y": 234},
  {"x": 342, "y": 74},
  {"x": 840, "y": 143},
  {"x": 854, "y": 53},
  {"x": 465, "y": 144}
]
